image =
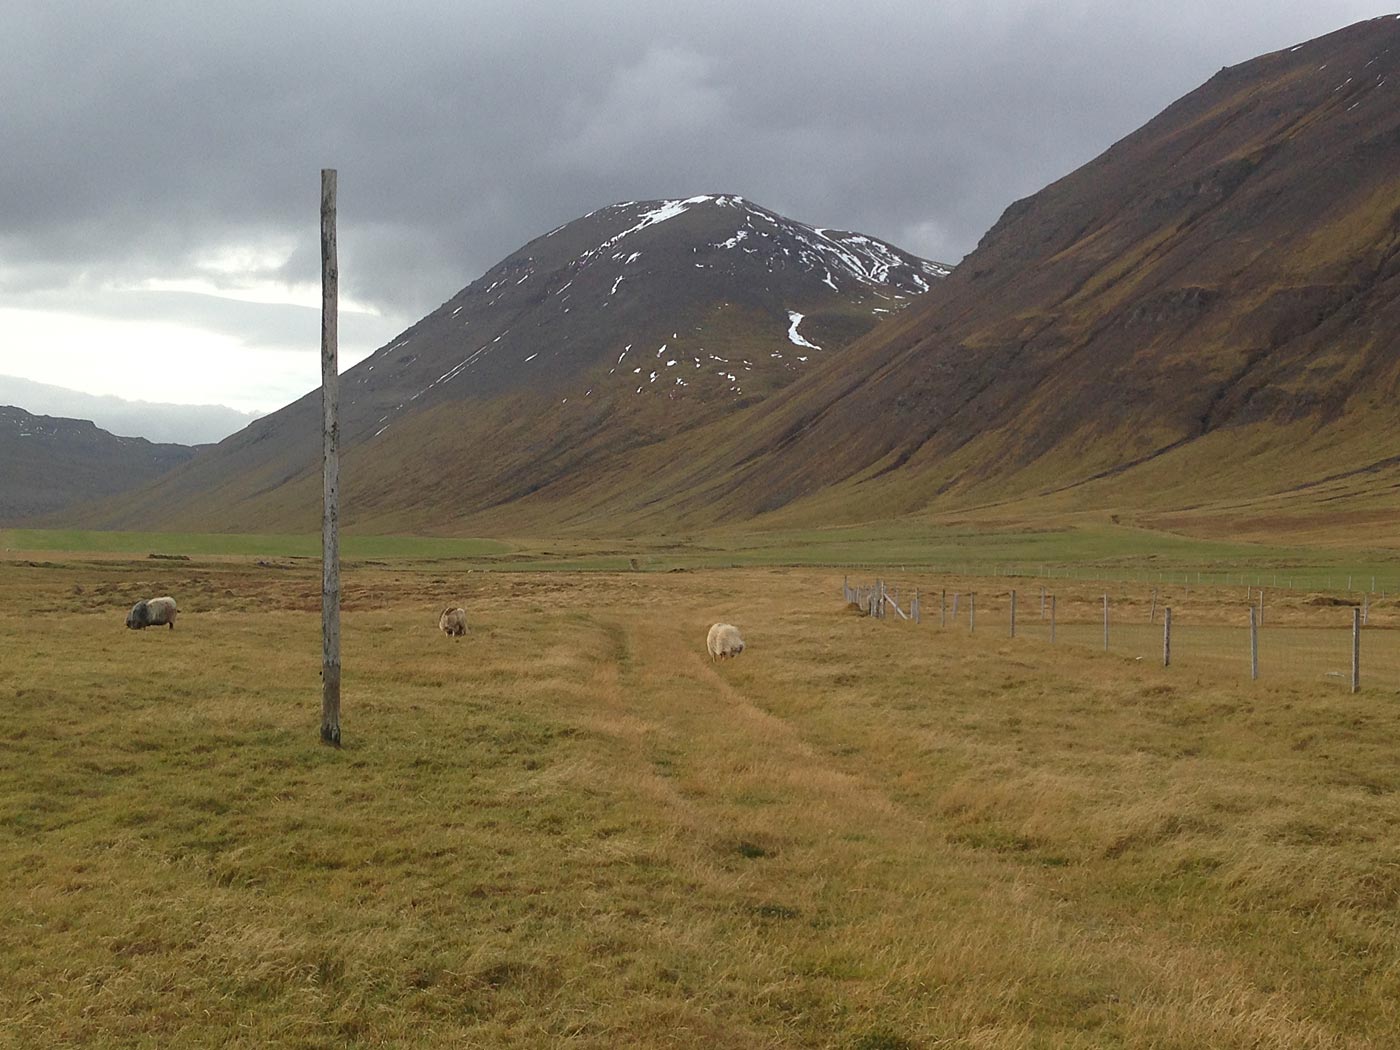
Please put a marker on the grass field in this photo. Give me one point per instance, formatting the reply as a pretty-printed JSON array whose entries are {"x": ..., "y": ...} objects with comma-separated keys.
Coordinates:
[
  {"x": 1072, "y": 551},
  {"x": 571, "y": 829},
  {"x": 209, "y": 543}
]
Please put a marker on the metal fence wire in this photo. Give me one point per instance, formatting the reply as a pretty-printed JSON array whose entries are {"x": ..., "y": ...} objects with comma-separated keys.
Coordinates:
[{"x": 1298, "y": 636}]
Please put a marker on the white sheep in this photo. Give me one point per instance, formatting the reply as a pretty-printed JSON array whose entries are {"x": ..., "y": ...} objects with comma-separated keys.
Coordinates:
[{"x": 724, "y": 640}]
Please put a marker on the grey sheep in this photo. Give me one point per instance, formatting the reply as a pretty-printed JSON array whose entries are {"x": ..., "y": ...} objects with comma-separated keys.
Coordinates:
[
  {"x": 453, "y": 622},
  {"x": 153, "y": 612}
]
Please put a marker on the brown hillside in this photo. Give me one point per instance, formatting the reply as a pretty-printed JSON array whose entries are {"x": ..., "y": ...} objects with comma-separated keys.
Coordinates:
[{"x": 1206, "y": 313}]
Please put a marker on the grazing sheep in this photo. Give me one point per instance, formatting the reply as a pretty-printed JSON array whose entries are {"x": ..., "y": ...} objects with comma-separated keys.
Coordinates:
[
  {"x": 154, "y": 612},
  {"x": 453, "y": 622},
  {"x": 724, "y": 640}
]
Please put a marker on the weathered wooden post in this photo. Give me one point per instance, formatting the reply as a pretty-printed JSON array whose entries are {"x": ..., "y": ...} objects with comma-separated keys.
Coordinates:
[
  {"x": 1052, "y": 619},
  {"x": 1105, "y": 623},
  {"x": 1042, "y": 600},
  {"x": 1167, "y": 636},
  {"x": 956, "y": 596},
  {"x": 971, "y": 613},
  {"x": 1355, "y": 650},
  {"x": 1153, "y": 618},
  {"x": 1365, "y": 609},
  {"x": 943, "y": 608},
  {"x": 1013, "y": 614},
  {"x": 330, "y": 468},
  {"x": 1253, "y": 645},
  {"x": 916, "y": 613}
]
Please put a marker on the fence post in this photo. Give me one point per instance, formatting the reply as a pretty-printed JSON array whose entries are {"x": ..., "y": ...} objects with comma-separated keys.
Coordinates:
[
  {"x": 1052, "y": 619},
  {"x": 1153, "y": 617},
  {"x": 1253, "y": 645},
  {"x": 943, "y": 608},
  {"x": 956, "y": 596},
  {"x": 846, "y": 588},
  {"x": 1167, "y": 636},
  {"x": 1355, "y": 650},
  {"x": 1013, "y": 614},
  {"x": 971, "y": 612},
  {"x": 330, "y": 465},
  {"x": 1105, "y": 623},
  {"x": 1261, "y": 606},
  {"x": 1365, "y": 609},
  {"x": 917, "y": 614}
]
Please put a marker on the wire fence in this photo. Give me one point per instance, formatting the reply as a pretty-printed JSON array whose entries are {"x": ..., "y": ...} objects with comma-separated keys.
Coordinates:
[{"x": 1296, "y": 636}]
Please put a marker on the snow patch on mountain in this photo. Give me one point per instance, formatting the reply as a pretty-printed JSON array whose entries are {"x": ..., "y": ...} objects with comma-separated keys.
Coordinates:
[{"x": 794, "y": 337}]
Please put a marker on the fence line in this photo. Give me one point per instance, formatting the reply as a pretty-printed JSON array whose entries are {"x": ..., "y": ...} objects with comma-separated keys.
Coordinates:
[{"x": 1301, "y": 639}]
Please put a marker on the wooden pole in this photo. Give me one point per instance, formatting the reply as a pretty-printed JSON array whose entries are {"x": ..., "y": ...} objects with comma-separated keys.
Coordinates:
[
  {"x": 971, "y": 613},
  {"x": 330, "y": 467},
  {"x": 1105, "y": 623},
  {"x": 1153, "y": 617},
  {"x": 1042, "y": 598},
  {"x": 1167, "y": 636},
  {"x": 943, "y": 608},
  {"x": 1052, "y": 619},
  {"x": 1356, "y": 650},
  {"x": 1253, "y": 645},
  {"x": 1013, "y": 614}
]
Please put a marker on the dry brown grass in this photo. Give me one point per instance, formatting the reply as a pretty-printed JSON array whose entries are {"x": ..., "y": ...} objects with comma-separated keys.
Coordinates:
[{"x": 571, "y": 829}]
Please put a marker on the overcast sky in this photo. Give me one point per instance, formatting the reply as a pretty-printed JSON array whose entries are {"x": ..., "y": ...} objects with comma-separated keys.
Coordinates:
[{"x": 160, "y": 183}]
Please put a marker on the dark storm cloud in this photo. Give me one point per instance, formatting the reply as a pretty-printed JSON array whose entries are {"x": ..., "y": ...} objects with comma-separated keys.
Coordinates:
[{"x": 145, "y": 139}]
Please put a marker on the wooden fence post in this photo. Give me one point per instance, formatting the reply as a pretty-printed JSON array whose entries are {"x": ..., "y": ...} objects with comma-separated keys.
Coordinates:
[
  {"x": 1153, "y": 618},
  {"x": 1365, "y": 609},
  {"x": 1013, "y": 614},
  {"x": 956, "y": 596},
  {"x": 943, "y": 608},
  {"x": 971, "y": 612},
  {"x": 1105, "y": 623},
  {"x": 1167, "y": 636},
  {"x": 1052, "y": 619},
  {"x": 330, "y": 467},
  {"x": 1253, "y": 645},
  {"x": 1355, "y": 650},
  {"x": 916, "y": 612}
]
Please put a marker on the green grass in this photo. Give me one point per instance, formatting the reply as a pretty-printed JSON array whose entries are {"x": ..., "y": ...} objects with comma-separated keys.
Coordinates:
[
  {"x": 1067, "y": 552},
  {"x": 190, "y": 543}
]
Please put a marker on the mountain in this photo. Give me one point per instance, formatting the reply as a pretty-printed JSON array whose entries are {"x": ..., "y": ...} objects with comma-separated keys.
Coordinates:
[
  {"x": 1200, "y": 327},
  {"x": 155, "y": 421},
  {"x": 1196, "y": 330},
  {"x": 616, "y": 332},
  {"x": 49, "y": 463}
]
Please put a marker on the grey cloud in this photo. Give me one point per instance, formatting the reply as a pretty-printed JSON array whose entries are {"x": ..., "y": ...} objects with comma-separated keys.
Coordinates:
[{"x": 151, "y": 134}]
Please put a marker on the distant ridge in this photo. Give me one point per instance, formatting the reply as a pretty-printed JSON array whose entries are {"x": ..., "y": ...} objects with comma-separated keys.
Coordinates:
[
  {"x": 155, "y": 421},
  {"x": 49, "y": 463}
]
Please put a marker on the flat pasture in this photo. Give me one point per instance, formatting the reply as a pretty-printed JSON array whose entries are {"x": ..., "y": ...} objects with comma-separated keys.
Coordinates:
[{"x": 570, "y": 828}]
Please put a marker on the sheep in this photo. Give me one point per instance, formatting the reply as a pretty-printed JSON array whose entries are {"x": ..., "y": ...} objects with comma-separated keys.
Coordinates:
[
  {"x": 153, "y": 612},
  {"x": 724, "y": 640},
  {"x": 453, "y": 622}
]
